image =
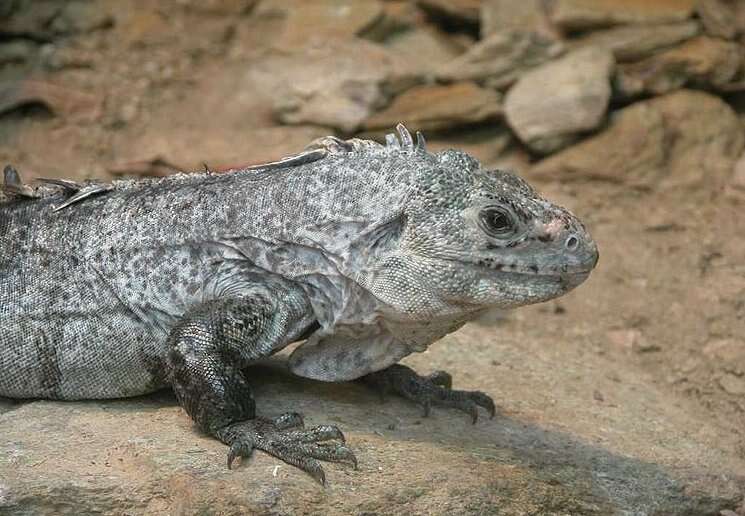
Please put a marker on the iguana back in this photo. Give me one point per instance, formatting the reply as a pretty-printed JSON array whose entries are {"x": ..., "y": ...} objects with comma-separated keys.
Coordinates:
[
  {"x": 365, "y": 252},
  {"x": 89, "y": 292}
]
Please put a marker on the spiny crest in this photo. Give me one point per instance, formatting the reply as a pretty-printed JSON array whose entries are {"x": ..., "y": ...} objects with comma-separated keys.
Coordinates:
[
  {"x": 330, "y": 145},
  {"x": 13, "y": 186},
  {"x": 15, "y": 190},
  {"x": 403, "y": 142}
]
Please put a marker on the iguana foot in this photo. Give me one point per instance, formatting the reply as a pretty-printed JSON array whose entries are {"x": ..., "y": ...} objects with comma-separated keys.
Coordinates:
[
  {"x": 435, "y": 389},
  {"x": 286, "y": 438}
]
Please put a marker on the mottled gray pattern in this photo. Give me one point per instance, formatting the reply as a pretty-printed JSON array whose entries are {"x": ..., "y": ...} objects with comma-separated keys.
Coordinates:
[
  {"x": 366, "y": 252},
  {"x": 386, "y": 241}
]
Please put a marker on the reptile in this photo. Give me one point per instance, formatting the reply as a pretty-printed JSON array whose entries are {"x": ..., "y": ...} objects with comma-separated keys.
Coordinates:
[{"x": 363, "y": 252}]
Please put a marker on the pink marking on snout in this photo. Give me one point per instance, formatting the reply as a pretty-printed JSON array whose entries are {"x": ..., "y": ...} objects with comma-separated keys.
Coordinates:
[{"x": 553, "y": 228}]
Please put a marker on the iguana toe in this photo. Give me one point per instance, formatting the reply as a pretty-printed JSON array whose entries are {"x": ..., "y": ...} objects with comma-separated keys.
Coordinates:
[
  {"x": 285, "y": 438},
  {"x": 441, "y": 378},
  {"x": 289, "y": 420},
  {"x": 434, "y": 389}
]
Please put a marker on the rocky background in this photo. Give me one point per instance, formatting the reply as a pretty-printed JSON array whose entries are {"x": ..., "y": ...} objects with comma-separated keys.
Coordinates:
[{"x": 625, "y": 397}]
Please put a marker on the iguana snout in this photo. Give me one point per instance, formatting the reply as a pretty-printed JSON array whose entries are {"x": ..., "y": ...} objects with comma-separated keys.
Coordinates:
[
  {"x": 574, "y": 250},
  {"x": 478, "y": 238}
]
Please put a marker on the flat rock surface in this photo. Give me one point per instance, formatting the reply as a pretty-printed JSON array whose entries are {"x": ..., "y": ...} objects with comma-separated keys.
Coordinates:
[
  {"x": 527, "y": 15},
  {"x": 334, "y": 83},
  {"x": 554, "y": 101},
  {"x": 568, "y": 439},
  {"x": 500, "y": 59},
  {"x": 702, "y": 61},
  {"x": 433, "y": 107},
  {"x": 424, "y": 50},
  {"x": 719, "y": 17},
  {"x": 585, "y": 14},
  {"x": 655, "y": 142},
  {"x": 632, "y": 42}
]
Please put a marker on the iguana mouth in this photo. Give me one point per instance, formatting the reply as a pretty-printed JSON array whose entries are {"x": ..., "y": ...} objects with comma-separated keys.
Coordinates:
[
  {"x": 517, "y": 269},
  {"x": 534, "y": 270}
]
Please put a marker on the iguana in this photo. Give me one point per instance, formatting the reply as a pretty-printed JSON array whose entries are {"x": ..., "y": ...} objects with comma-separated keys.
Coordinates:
[{"x": 366, "y": 252}]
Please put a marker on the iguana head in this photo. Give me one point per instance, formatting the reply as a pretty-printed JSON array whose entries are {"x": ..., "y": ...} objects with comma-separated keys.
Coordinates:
[{"x": 473, "y": 239}]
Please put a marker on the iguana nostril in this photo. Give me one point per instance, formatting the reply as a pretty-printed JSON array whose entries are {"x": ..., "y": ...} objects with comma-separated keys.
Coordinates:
[{"x": 571, "y": 243}]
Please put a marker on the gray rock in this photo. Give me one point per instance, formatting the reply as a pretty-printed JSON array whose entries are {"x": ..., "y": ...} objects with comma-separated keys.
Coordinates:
[
  {"x": 637, "y": 452},
  {"x": 718, "y": 18},
  {"x": 633, "y": 42},
  {"x": 426, "y": 49},
  {"x": 551, "y": 104},
  {"x": 333, "y": 83},
  {"x": 526, "y": 15},
  {"x": 499, "y": 60},
  {"x": 590, "y": 14},
  {"x": 703, "y": 62},
  {"x": 654, "y": 143},
  {"x": 435, "y": 107}
]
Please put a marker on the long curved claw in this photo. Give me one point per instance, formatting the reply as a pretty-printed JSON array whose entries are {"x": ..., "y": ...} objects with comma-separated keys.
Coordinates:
[
  {"x": 239, "y": 449},
  {"x": 316, "y": 471},
  {"x": 330, "y": 453},
  {"x": 285, "y": 437},
  {"x": 435, "y": 389}
]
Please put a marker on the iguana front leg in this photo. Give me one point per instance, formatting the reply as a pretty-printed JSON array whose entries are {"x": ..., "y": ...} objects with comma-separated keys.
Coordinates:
[
  {"x": 208, "y": 350},
  {"x": 435, "y": 389}
]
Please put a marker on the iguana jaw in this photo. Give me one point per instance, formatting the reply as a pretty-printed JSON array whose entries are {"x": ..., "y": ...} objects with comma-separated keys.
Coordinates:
[
  {"x": 487, "y": 287},
  {"x": 513, "y": 282},
  {"x": 555, "y": 271}
]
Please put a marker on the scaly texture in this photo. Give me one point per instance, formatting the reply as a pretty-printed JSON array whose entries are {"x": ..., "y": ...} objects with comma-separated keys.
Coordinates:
[{"x": 367, "y": 252}]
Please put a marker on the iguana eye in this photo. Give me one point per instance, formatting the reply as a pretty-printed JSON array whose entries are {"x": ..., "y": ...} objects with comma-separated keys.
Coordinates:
[{"x": 497, "y": 222}]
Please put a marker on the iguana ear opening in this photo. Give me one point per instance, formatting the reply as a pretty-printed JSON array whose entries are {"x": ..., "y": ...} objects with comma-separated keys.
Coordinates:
[{"x": 385, "y": 237}]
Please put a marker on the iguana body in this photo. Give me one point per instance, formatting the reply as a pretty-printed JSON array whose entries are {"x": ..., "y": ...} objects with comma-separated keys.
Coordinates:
[{"x": 369, "y": 252}]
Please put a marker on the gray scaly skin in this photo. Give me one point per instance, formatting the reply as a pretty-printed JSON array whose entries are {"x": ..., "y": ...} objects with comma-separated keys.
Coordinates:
[{"x": 367, "y": 252}]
